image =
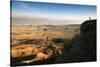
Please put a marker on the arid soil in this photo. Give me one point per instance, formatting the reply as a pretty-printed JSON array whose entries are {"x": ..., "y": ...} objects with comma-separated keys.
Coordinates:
[{"x": 32, "y": 43}]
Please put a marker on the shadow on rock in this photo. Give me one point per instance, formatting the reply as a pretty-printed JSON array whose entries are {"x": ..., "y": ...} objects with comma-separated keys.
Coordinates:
[{"x": 83, "y": 46}]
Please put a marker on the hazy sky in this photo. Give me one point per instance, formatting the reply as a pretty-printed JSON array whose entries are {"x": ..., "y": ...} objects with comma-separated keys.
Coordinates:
[{"x": 49, "y": 13}]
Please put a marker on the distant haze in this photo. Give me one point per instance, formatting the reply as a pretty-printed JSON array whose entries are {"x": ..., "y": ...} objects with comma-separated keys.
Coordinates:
[{"x": 44, "y": 21}]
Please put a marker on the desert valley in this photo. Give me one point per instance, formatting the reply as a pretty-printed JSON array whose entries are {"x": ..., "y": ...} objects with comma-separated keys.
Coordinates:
[{"x": 35, "y": 43}]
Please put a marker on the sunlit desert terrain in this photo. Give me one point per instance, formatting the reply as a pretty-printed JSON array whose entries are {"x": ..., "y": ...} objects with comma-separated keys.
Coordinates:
[{"x": 32, "y": 43}]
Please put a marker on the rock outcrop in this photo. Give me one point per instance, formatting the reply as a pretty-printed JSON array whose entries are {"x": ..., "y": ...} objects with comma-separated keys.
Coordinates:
[{"x": 83, "y": 46}]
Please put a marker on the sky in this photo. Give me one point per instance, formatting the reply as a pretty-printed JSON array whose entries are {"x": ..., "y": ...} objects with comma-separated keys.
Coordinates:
[{"x": 24, "y": 12}]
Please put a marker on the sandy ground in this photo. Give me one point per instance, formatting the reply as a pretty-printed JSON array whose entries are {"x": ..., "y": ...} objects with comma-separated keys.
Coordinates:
[{"x": 20, "y": 33}]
